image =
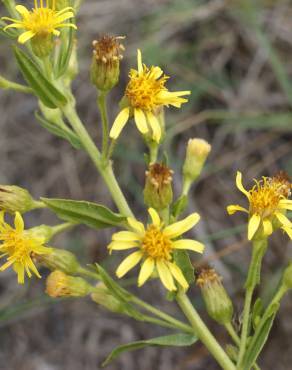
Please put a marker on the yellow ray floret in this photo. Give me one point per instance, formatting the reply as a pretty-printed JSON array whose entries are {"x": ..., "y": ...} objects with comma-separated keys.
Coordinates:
[
  {"x": 268, "y": 204},
  {"x": 155, "y": 245},
  {"x": 18, "y": 246},
  {"x": 42, "y": 20},
  {"x": 145, "y": 94}
]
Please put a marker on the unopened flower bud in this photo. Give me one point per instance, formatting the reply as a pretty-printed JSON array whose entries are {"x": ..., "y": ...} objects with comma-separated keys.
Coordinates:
[
  {"x": 59, "y": 284},
  {"x": 15, "y": 199},
  {"x": 105, "y": 67},
  {"x": 59, "y": 259},
  {"x": 217, "y": 301},
  {"x": 196, "y": 155},
  {"x": 158, "y": 189},
  {"x": 102, "y": 296}
]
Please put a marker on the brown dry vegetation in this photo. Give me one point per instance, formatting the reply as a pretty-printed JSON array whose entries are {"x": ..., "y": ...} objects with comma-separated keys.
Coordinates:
[{"x": 236, "y": 60}]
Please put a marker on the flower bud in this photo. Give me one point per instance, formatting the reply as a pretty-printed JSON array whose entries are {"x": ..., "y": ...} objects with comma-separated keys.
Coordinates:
[
  {"x": 196, "y": 155},
  {"x": 105, "y": 67},
  {"x": 42, "y": 45},
  {"x": 102, "y": 296},
  {"x": 58, "y": 284},
  {"x": 217, "y": 301},
  {"x": 158, "y": 188},
  {"x": 15, "y": 199},
  {"x": 59, "y": 259}
]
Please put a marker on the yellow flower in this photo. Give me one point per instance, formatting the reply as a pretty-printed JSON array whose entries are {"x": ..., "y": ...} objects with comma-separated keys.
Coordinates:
[
  {"x": 155, "y": 245},
  {"x": 268, "y": 203},
  {"x": 41, "y": 20},
  {"x": 145, "y": 94},
  {"x": 18, "y": 246}
]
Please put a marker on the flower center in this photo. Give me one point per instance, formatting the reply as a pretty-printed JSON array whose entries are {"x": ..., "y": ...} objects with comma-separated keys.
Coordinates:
[
  {"x": 155, "y": 244},
  {"x": 142, "y": 90},
  {"x": 40, "y": 20},
  {"x": 265, "y": 196}
]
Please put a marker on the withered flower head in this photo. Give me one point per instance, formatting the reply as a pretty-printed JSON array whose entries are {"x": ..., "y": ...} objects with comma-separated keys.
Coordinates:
[
  {"x": 217, "y": 301},
  {"x": 105, "y": 67},
  {"x": 158, "y": 189}
]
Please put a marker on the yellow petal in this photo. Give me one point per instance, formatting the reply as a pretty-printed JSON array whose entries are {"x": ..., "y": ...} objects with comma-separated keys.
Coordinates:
[
  {"x": 155, "y": 72},
  {"x": 283, "y": 219},
  {"x": 285, "y": 204},
  {"x": 22, "y": 10},
  {"x": 154, "y": 217},
  {"x": 180, "y": 227},
  {"x": 119, "y": 246},
  {"x": 139, "y": 61},
  {"x": 136, "y": 225},
  {"x": 234, "y": 208},
  {"x": 165, "y": 275},
  {"x": 178, "y": 275},
  {"x": 128, "y": 263},
  {"x": 119, "y": 123},
  {"x": 253, "y": 226},
  {"x": 189, "y": 244},
  {"x": 268, "y": 227},
  {"x": 155, "y": 126},
  {"x": 125, "y": 236},
  {"x": 19, "y": 269},
  {"x": 240, "y": 186},
  {"x": 288, "y": 230},
  {"x": 140, "y": 120},
  {"x": 146, "y": 271},
  {"x": 18, "y": 222},
  {"x": 25, "y": 37}
]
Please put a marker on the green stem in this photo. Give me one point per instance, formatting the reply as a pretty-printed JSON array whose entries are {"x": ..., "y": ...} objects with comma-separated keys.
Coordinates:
[
  {"x": 253, "y": 278},
  {"x": 176, "y": 323},
  {"x": 232, "y": 333},
  {"x": 94, "y": 154},
  {"x": 203, "y": 332},
  {"x": 9, "y": 85},
  {"x": 101, "y": 102},
  {"x": 62, "y": 227},
  {"x": 153, "y": 152},
  {"x": 236, "y": 339},
  {"x": 90, "y": 274}
]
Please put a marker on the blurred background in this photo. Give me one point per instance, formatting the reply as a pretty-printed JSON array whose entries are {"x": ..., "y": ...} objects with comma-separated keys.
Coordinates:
[{"x": 235, "y": 56}]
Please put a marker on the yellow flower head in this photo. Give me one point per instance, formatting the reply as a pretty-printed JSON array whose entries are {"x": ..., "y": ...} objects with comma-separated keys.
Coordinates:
[
  {"x": 18, "y": 246},
  {"x": 41, "y": 21},
  {"x": 145, "y": 94},
  {"x": 155, "y": 245},
  {"x": 268, "y": 203}
]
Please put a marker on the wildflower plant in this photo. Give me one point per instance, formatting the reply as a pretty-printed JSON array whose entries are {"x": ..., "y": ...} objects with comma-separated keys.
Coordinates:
[{"x": 155, "y": 239}]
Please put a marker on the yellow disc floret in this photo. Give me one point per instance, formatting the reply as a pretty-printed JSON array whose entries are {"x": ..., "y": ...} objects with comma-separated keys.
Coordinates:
[{"x": 155, "y": 244}]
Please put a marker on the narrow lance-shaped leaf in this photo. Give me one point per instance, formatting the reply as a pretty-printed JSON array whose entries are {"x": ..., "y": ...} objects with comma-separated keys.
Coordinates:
[
  {"x": 60, "y": 131},
  {"x": 91, "y": 214},
  {"x": 174, "y": 340},
  {"x": 42, "y": 87}
]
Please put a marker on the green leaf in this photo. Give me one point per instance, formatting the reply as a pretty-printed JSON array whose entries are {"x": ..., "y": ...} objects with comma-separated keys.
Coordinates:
[
  {"x": 260, "y": 337},
  {"x": 121, "y": 295},
  {"x": 179, "y": 205},
  {"x": 174, "y": 340},
  {"x": 91, "y": 214},
  {"x": 66, "y": 51},
  {"x": 60, "y": 131},
  {"x": 257, "y": 312},
  {"x": 43, "y": 88},
  {"x": 182, "y": 259}
]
